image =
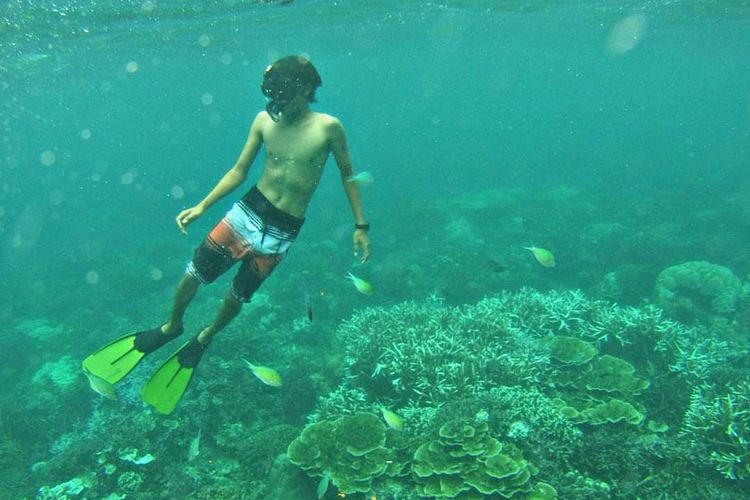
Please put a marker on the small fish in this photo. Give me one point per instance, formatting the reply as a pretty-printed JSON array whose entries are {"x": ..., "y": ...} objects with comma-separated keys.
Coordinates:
[
  {"x": 323, "y": 484},
  {"x": 195, "y": 447},
  {"x": 394, "y": 421},
  {"x": 268, "y": 376},
  {"x": 100, "y": 386},
  {"x": 362, "y": 178},
  {"x": 361, "y": 285},
  {"x": 542, "y": 255},
  {"x": 145, "y": 459},
  {"x": 308, "y": 301}
]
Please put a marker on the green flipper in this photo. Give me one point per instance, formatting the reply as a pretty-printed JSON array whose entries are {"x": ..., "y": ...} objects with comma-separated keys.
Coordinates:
[
  {"x": 168, "y": 384},
  {"x": 118, "y": 358}
]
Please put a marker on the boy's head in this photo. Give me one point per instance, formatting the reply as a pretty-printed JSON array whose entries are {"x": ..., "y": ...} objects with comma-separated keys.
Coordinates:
[{"x": 286, "y": 78}]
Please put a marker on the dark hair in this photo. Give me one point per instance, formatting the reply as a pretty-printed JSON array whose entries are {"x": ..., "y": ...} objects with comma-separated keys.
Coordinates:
[{"x": 287, "y": 75}]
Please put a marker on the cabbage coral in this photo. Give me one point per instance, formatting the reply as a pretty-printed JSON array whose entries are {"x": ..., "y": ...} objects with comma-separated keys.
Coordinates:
[
  {"x": 350, "y": 449},
  {"x": 465, "y": 462}
]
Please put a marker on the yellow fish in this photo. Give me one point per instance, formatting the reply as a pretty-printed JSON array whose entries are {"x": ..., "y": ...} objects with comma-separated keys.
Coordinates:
[
  {"x": 542, "y": 255},
  {"x": 100, "y": 386},
  {"x": 394, "y": 421},
  {"x": 268, "y": 376},
  {"x": 361, "y": 285}
]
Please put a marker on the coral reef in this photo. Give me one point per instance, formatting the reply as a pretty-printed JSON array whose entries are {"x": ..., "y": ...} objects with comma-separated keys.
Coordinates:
[
  {"x": 62, "y": 374},
  {"x": 553, "y": 371},
  {"x": 718, "y": 424},
  {"x": 350, "y": 449},
  {"x": 464, "y": 461},
  {"x": 699, "y": 291}
]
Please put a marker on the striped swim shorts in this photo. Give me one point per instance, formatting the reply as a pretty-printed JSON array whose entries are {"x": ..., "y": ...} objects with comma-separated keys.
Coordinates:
[{"x": 253, "y": 232}]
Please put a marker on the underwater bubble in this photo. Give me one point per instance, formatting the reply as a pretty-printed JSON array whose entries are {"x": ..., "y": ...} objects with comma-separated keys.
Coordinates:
[
  {"x": 48, "y": 158},
  {"x": 177, "y": 192},
  {"x": 56, "y": 197},
  {"x": 204, "y": 40},
  {"x": 28, "y": 227},
  {"x": 92, "y": 277},
  {"x": 226, "y": 59},
  {"x": 207, "y": 99},
  {"x": 626, "y": 34},
  {"x": 156, "y": 274},
  {"x": 85, "y": 134},
  {"x": 148, "y": 6},
  {"x": 96, "y": 177},
  {"x": 127, "y": 178},
  {"x": 131, "y": 67}
]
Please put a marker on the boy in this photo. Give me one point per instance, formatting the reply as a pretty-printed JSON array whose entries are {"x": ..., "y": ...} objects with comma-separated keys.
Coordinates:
[{"x": 257, "y": 232}]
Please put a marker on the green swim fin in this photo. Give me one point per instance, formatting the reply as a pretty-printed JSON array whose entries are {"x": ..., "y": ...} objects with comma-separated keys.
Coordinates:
[
  {"x": 167, "y": 385},
  {"x": 118, "y": 358}
]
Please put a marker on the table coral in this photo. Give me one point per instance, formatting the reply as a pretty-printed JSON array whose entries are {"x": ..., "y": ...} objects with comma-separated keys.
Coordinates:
[
  {"x": 570, "y": 350},
  {"x": 612, "y": 411}
]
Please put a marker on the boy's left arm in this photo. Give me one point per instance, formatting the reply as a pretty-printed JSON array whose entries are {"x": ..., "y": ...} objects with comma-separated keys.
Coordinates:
[{"x": 340, "y": 151}]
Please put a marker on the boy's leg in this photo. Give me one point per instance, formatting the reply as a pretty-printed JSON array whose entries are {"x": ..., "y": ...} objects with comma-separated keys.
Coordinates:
[
  {"x": 253, "y": 271},
  {"x": 229, "y": 309},
  {"x": 183, "y": 296}
]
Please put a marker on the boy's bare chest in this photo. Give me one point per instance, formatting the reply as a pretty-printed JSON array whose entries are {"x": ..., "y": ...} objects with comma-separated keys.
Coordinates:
[{"x": 304, "y": 145}]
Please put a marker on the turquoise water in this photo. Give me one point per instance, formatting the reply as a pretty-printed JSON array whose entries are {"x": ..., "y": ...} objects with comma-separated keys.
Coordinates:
[{"x": 613, "y": 133}]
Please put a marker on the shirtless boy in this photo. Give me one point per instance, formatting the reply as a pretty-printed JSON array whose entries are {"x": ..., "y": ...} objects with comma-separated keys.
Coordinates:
[{"x": 256, "y": 233}]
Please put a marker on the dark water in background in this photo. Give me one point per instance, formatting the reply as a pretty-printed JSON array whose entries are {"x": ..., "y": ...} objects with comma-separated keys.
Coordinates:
[{"x": 116, "y": 115}]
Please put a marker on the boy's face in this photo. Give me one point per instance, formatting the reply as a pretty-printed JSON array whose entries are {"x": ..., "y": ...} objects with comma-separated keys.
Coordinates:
[
  {"x": 290, "y": 104},
  {"x": 298, "y": 100}
]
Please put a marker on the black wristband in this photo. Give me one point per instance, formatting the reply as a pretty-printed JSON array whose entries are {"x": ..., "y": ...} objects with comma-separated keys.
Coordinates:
[{"x": 364, "y": 227}]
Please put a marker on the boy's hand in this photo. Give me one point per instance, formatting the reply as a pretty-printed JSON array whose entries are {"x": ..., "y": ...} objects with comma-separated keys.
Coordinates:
[
  {"x": 361, "y": 244},
  {"x": 187, "y": 216}
]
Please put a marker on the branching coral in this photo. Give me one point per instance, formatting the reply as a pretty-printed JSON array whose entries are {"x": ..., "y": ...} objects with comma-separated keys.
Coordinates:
[
  {"x": 413, "y": 353},
  {"x": 719, "y": 425}
]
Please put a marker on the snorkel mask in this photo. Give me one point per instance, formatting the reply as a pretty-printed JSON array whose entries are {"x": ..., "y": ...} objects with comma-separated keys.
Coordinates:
[
  {"x": 284, "y": 79},
  {"x": 279, "y": 94}
]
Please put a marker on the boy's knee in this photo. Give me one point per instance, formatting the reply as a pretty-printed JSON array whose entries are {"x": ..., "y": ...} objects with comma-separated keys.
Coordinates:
[{"x": 234, "y": 301}]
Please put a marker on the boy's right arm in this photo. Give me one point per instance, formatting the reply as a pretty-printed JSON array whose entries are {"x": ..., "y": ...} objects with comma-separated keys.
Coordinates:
[{"x": 233, "y": 178}]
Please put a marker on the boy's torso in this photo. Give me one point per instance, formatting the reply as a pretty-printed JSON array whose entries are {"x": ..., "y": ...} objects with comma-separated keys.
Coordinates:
[{"x": 294, "y": 159}]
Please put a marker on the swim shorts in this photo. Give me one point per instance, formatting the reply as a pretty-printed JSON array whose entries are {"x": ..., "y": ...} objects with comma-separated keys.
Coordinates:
[{"x": 253, "y": 232}]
